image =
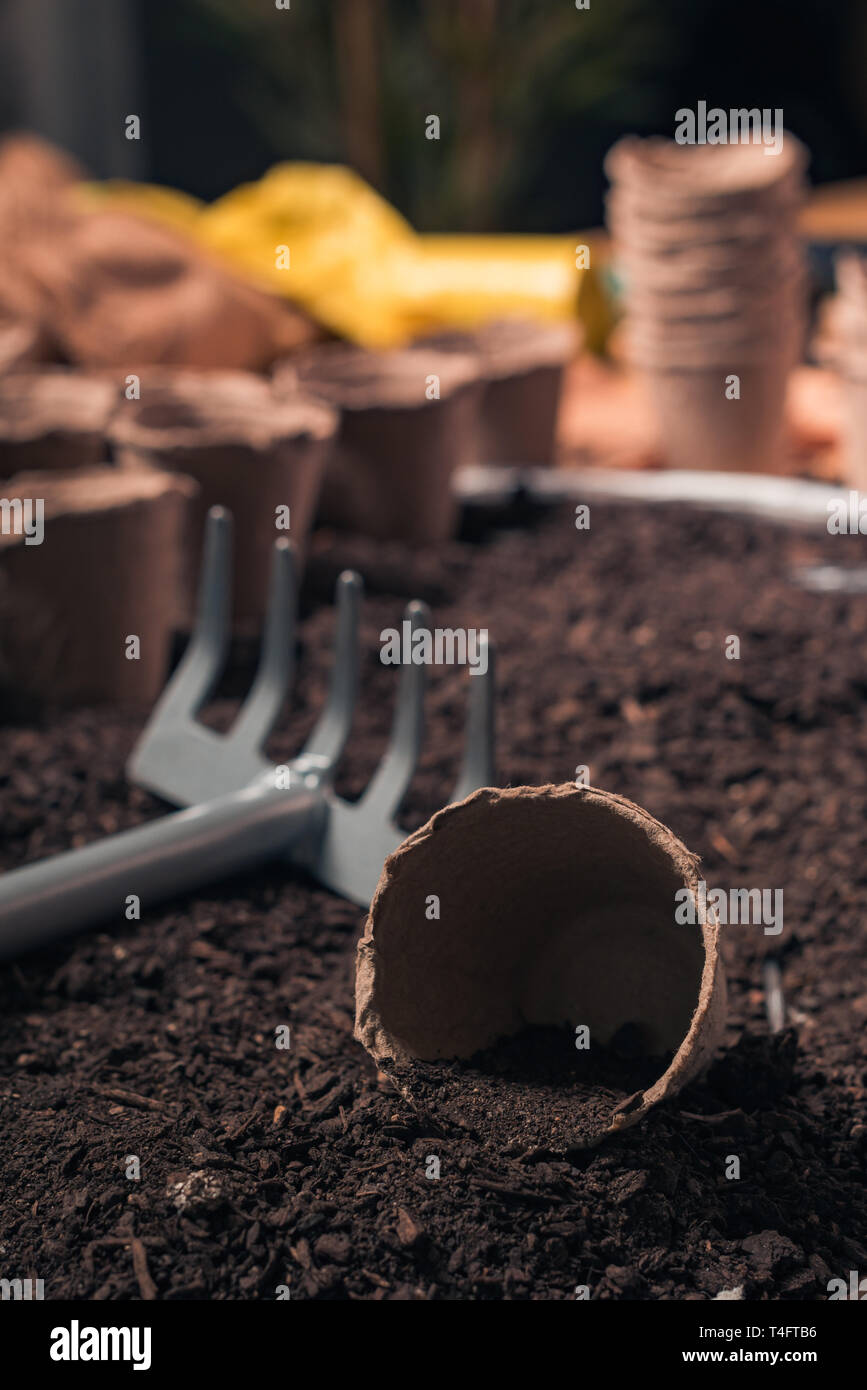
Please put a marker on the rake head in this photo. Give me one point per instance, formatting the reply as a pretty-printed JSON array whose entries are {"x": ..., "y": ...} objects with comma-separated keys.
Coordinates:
[{"x": 187, "y": 764}]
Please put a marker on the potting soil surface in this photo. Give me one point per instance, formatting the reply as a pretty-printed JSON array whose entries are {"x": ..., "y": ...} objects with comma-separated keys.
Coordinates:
[{"x": 298, "y": 1166}]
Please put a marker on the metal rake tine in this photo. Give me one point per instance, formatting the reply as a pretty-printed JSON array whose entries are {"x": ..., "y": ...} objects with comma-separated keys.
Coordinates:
[
  {"x": 477, "y": 764},
  {"x": 202, "y": 662},
  {"x": 277, "y": 661},
  {"x": 331, "y": 730},
  {"x": 389, "y": 783}
]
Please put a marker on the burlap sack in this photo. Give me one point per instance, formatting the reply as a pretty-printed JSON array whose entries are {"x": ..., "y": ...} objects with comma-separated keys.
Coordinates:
[
  {"x": 22, "y": 343},
  {"x": 131, "y": 290},
  {"x": 113, "y": 286},
  {"x": 557, "y": 907},
  {"x": 37, "y": 216},
  {"x": 107, "y": 569}
]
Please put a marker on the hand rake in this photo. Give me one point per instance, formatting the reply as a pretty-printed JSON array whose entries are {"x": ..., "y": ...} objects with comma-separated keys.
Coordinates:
[{"x": 240, "y": 810}]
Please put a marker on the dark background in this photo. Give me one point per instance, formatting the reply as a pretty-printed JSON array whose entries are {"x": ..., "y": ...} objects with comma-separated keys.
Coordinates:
[{"x": 530, "y": 93}]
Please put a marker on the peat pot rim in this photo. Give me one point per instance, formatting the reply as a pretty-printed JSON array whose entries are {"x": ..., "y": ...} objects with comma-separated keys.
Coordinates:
[
  {"x": 665, "y": 169},
  {"x": 160, "y": 380},
  {"x": 37, "y": 401},
  {"x": 94, "y": 491},
  {"x": 170, "y": 421},
  {"x": 511, "y": 346},
  {"x": 353, "y": 378}
]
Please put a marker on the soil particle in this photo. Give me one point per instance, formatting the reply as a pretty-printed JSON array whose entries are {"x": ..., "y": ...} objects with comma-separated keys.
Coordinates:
[{"x": 533, "y": 1093}]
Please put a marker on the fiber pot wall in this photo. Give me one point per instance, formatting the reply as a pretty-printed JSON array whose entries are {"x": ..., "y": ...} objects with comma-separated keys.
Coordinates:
[{"x": 557, "y": 907}]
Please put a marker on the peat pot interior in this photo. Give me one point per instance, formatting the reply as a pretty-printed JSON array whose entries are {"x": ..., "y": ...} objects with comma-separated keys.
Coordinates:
[{"x": 556, "y": 907}]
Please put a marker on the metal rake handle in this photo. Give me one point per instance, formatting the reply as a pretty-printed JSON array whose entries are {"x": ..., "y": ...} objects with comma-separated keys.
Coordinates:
[{"x": 181, "y": 851}]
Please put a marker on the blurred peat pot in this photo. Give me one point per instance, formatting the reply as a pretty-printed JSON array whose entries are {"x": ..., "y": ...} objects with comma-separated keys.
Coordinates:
[
  {"x": 246, "y": 451},
  {"x": 107, "y": 570},
  {"x": 407, "y": 422},
  {"x": 843, "y": 346},
  {"x": 557, "y": 908},
  {"x": 715, "y": 291},
  {"x": 522, "y": 364},
  {"x": 53, "y": 418}
]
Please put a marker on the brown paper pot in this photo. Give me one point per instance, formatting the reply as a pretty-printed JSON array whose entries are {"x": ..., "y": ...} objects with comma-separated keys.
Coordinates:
[
  {"x": 775, "y": 207},
  {"x": 843, "y": 326},
  {"x": 855, "y": 408},
  {"x": 679, "y": 180},
  {"x": 656, "y": 344},
  {"x": 851, "y": 275},
  {"x": 223, "y": 386},
  {"x": 687, "y": 269},
  {"x": 390, "y": 474},
  {"x": 53, "y": 418},
  {"x": 523, "y": 365},
  {"x": 557, "y": 909},
  {"x": 852, "y": 365},
  {"x": 249, "y": 453},
  {"x": 700, "y": 428},
  {"x": 743, "y": 235},
  {"x": 840, "y": 337},
  {"x": 108, "y": 568},
  {"x": 719, "y": 301}
]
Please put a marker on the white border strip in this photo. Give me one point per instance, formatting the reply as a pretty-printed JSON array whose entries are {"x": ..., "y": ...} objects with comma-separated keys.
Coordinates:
[{"x": 746, "y": 494}]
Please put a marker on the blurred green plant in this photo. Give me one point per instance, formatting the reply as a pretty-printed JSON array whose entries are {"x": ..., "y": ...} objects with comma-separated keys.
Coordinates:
[{"x": 510, "y": 80}]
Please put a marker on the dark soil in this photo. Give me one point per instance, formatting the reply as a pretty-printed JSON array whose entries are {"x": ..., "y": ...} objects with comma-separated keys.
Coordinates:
[
  {"x": 534, "y": 1095},
  {"x": 263, "y": 1167}
]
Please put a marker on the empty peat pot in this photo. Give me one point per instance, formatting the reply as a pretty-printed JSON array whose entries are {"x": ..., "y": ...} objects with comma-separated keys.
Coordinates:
[
  {"x": 671, "y": 180},
  {"x": 523, "y": 366},
  {"x": 247, "y": 452},
  {"x": 556, "y": 909},
  {"x": 222, "y": 386},
  {"x": 107, "y": 568},
  {"x": 407, "y": 420},
  {"x": 53, "y": 417}
]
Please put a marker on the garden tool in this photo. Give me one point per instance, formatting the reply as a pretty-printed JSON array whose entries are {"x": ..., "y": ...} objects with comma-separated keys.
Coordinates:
[{"x": 240, "y": 810}]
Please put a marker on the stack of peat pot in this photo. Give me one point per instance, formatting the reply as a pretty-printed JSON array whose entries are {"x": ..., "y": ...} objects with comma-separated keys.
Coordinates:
[{"x": 715, "y": 291}]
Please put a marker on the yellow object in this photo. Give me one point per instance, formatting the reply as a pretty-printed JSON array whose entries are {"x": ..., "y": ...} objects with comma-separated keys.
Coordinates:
[{"x": 321, "y": 236}]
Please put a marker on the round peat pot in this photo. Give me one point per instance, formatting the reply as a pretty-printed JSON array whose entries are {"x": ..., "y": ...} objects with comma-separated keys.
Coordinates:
[
  {"x": 408, "y": 419},
  {"x": 540, "y": 911},
  {"x": 523, "y": 365},
  {"x": 852, "y": 367},
  {"x": 53, "y": 418},
  {"x": 108, "y": 567},
  {"x": 676, "y": 180},
  {"x": 246, "y": 451},
  {"x": 700, "y": 427}
]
